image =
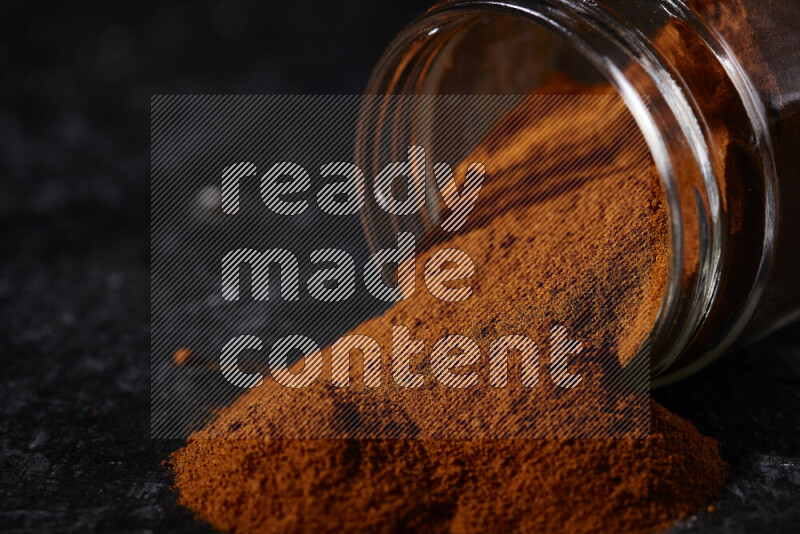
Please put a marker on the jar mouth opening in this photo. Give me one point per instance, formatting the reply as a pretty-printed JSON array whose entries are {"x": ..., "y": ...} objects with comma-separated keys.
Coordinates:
[{"x": 595, "y": 51}]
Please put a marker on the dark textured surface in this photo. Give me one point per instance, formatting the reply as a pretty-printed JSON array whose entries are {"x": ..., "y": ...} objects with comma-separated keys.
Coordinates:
[{"x": 74, "y": 413}]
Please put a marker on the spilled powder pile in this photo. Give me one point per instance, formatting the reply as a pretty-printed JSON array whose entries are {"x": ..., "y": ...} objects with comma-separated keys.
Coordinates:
[
  {"x": 570, "y": 229},
  {"x": 456, "y": 486}
]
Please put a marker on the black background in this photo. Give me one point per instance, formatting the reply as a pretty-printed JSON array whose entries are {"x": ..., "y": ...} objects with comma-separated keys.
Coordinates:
[{"x": 76, "y": 81}]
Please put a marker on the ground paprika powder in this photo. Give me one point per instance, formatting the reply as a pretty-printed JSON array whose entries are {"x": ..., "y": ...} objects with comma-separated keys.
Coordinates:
[{"x": 598, "y": 248}]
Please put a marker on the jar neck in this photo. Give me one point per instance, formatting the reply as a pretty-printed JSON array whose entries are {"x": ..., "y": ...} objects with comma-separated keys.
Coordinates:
[{"x": 638, "y": 50}]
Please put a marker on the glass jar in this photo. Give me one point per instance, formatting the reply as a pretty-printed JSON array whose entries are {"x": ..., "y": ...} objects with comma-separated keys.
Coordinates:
[{"x": 714, "y": 87}]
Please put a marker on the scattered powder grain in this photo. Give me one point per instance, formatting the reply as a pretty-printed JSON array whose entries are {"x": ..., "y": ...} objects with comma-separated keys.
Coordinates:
[{"x": 182, "y": 356}]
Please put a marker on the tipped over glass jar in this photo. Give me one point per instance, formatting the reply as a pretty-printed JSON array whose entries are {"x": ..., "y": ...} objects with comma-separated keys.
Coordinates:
[{"x": 714, "y": 88}]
